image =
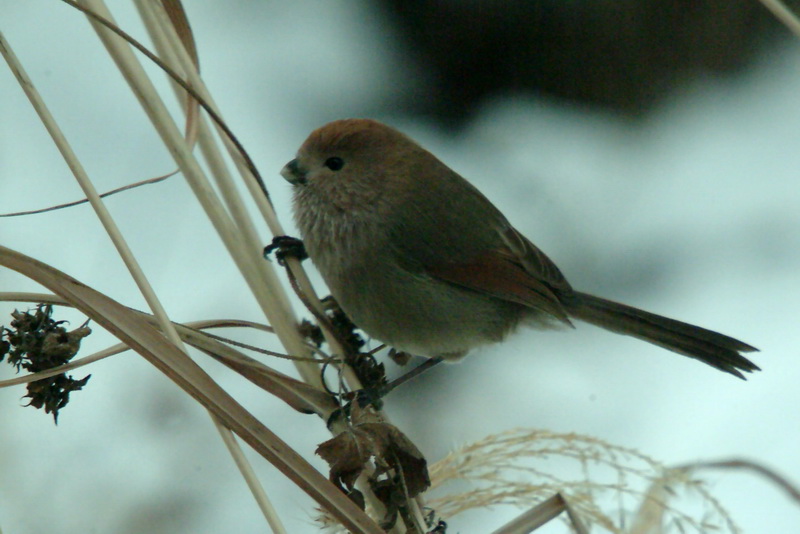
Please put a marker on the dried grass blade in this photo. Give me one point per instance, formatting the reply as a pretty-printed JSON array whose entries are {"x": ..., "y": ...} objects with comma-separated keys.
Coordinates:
[
  {"x": 180, "y": 22},
  {"x": 137, "y": 333},
  {"x": 299, "y": 395},
  {"x": 783, "y": 14},
  {"x": 261, "y": 278},
  {"x": 539, "y": 515}
]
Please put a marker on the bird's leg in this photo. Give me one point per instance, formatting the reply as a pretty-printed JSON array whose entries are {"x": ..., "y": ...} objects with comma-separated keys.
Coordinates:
[{"x": 416, "y": 371}]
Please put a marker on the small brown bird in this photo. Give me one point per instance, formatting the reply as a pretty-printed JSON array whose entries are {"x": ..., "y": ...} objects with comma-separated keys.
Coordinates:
[{"x": 422, "y": 261}]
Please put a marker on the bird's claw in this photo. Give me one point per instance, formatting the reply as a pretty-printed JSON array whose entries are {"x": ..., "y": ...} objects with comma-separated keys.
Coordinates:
[{"x": 285, "y": 246}]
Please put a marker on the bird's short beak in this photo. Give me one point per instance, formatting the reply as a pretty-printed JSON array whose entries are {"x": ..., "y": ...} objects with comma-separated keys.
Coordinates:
[{"x": 293, "y": 174}]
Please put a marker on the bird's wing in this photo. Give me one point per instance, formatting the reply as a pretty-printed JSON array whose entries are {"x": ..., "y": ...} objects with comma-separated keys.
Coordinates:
[
  {"x": 466, "y": 241},
  {"x": 516, "y": 271}
]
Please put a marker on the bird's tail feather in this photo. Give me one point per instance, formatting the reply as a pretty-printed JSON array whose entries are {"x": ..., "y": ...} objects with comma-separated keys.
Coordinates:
[{"x": 712, "y": 348}]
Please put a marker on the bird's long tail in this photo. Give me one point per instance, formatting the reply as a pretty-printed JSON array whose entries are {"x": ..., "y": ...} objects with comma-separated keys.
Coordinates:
[{"x": 709, "y": 347}]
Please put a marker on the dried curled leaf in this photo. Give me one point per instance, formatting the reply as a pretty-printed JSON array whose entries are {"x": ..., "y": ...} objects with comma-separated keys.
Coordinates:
[
  {"x": 400, "y": 471},
  {"x": 347, "y": 455}
]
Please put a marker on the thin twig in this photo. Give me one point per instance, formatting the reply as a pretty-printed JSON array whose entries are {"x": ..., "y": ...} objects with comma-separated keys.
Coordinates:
[
  {"x": 149, "y": 181},
  {"x": 80, "y": 362},
  {"x": 323, "y": 319}
]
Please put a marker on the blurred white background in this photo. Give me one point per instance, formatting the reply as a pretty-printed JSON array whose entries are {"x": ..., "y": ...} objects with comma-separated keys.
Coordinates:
[{"x": 691, "y": 212}]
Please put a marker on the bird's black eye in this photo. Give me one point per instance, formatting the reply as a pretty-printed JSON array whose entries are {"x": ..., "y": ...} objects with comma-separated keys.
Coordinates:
[{"x": 334, "y": 163}]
